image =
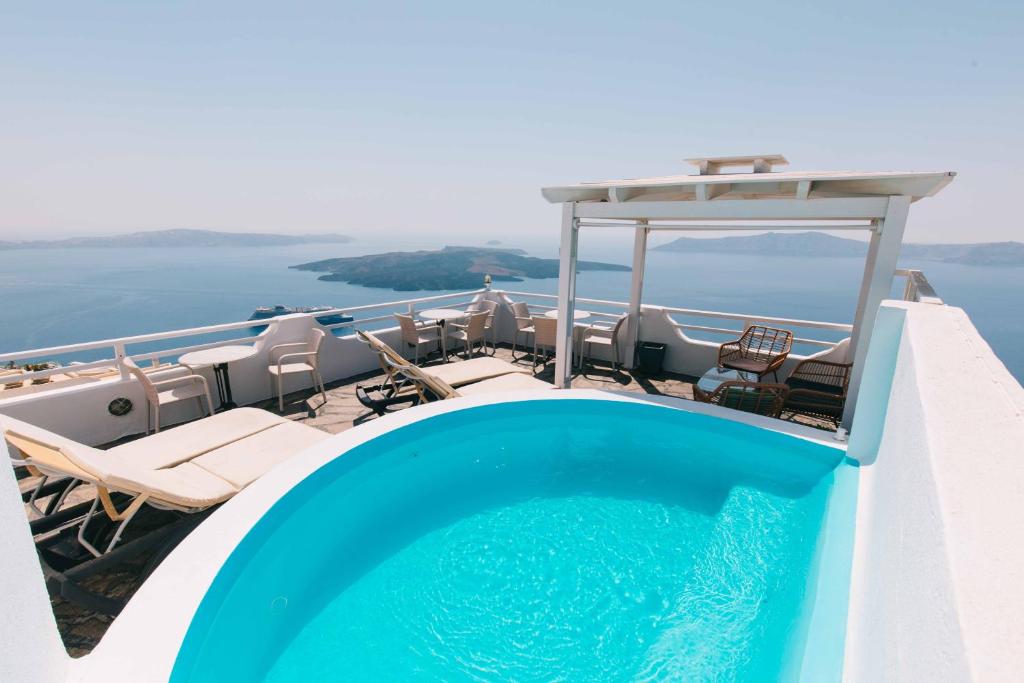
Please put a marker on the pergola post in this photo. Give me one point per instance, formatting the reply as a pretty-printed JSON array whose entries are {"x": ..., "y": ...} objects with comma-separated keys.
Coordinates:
[
  {"x": 879, "y": 271},
  {"x": 636, "y": 290},
  {"x": 566, "y": 296}
]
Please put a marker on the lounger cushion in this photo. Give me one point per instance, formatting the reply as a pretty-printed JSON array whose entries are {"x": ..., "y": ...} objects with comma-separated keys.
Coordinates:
[
  {"x": 185, "y": 442},
  {"x": 504, "y": 383},
  {"x": 81, "y": 456},
  {"x": 473, "y": 370},
  {"x": 187, "y": 484},
  {"x": 246, "y": 460}
]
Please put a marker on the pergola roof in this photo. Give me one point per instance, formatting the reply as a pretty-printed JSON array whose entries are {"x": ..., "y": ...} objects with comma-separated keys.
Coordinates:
[{"x": 756, "y": 185}]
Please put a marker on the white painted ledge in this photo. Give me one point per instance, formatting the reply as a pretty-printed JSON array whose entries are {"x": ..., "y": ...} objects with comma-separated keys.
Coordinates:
[{"x": 937, "y": 588}]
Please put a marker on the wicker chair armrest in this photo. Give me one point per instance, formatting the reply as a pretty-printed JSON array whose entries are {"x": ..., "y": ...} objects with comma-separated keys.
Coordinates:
[
  {"x": 728, "y": 350},
  {"x": 775, "y": 362}
]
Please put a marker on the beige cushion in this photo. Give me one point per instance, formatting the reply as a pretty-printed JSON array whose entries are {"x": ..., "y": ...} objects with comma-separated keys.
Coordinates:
[
  {"x": 245, "y": 461},
  {"x": 79, "y": 455},
  {"x": 173, "y": 446},
  {"x": 474, "y": 370},
  {"x": 187, "y": 484},
  {"x": 504, "y": 383}
]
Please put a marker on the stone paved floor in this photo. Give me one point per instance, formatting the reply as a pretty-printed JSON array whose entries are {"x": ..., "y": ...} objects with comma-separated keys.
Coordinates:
[{"x": 82, "y": 629}]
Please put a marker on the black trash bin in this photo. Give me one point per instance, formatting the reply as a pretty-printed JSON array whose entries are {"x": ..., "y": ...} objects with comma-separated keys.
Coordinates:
[{"x": 650, "y": 357}]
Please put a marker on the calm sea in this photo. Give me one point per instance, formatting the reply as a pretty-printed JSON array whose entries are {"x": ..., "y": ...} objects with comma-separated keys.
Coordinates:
[{"x": 54, "y": 297}]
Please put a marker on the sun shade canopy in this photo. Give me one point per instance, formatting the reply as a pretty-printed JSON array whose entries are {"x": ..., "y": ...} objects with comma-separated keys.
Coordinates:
[{"x": 758, "y": 183}]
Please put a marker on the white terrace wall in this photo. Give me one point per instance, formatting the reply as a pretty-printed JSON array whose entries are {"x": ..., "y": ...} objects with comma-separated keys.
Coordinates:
[
  {"x": 937, "y": 588},
  {"x": 30, "y": 646},
  {"x": 79, "y": 411}
]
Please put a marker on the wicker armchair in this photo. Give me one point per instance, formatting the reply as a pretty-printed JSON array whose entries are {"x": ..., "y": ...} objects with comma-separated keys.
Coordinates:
[
  {"x": 818, "y": 388},
  {"x": 759, "y": 350},
  {"x": 751, "y": 397}
]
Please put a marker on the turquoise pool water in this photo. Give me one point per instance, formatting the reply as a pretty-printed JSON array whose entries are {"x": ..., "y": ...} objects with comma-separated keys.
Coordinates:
[{"x": 544, "y": 540}]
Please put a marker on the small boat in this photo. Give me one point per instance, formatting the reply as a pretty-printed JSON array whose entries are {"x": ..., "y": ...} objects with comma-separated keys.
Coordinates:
[{"x": 266, "y": 312}]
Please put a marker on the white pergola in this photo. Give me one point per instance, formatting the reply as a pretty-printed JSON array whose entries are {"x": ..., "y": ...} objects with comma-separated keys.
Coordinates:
[{"x": 758, "y": 199}]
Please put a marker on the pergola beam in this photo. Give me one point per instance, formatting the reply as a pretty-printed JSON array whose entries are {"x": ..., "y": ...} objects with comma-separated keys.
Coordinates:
[{"x": 842, "y": 208}]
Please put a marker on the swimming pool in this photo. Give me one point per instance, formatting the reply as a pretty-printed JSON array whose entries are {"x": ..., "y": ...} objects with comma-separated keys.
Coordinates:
[{"x": 554, "y": 540}]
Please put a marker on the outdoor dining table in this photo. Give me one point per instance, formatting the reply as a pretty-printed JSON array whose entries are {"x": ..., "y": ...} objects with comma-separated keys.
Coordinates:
[
  {"x": 441, "y": 316},
  {"x": 577, "y": 314},
  {"x": 219, "y": 357}
]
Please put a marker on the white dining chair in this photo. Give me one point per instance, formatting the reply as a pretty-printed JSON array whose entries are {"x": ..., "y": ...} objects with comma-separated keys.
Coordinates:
[
  {"x": 417, "y": 334},
  {"x": 301, "y": 357},
  {"x": 607, "y": 337},
  {"x": 162, "y": 392},
  {"x": 524, "y": 325},
  {"x": 473, "y": 332}
]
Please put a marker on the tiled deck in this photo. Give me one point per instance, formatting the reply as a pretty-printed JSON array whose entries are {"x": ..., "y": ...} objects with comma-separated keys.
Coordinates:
[
  {"x": 343, "y": 409},
  {"x": 82, "y": 629}
]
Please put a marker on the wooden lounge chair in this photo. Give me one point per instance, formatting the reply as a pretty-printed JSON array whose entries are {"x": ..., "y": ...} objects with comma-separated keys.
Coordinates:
[
  {"x": 759, "y": 350},
  {"x": 379, "y": 398},
  {"x": 430, "y": 387},
  {"x": 189, "y": 469},
  {"x": 750, "y": 397},
  {"x": 818, "y": 388}
]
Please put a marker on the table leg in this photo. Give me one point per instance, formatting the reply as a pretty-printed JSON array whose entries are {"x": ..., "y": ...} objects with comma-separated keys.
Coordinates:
[
  {"x": 229, "y": 402},
  {"x": 444, "y": 339}
]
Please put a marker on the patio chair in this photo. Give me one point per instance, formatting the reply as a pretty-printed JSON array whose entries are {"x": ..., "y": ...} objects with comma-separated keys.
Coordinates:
[
  {"x": 430, "y": 388},
  {"x": 165, "y": 391},
  {"x": 419, "y": 333},
  {"x": 289, "y": 363},
  {"x": 471, "y": 333},
  {"x": 759, "y": 350},
  {"x": 545, "y": 335},
  {"x": 603, "y": 336},
  {"x": 818, "y": 388},
  {"x": 379, "y": 398},
  {"x": 524, "y": 324},
  {"x": 491, "y": 308},
  {"x": 188, "y": 469},
  {"x": 751, "y": 397}
]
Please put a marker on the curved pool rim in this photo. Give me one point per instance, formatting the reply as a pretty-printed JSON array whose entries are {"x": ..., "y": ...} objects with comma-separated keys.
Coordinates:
[{"x": 143, "y": 642}]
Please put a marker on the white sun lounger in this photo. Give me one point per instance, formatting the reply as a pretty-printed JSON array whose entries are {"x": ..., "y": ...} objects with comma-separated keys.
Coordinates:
[
  {"x": 442, "y": 390},
  {"x": 455, "y": 374},
  {"x": 189, "y": 468}
]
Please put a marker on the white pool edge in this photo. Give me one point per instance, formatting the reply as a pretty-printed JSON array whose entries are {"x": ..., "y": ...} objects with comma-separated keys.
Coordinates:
[{"x": 143, "y": 642}]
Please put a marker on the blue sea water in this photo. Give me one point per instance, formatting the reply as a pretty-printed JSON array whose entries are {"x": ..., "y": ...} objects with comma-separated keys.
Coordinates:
[
  {"x": 53, "y": 297},
  {"x": 539, "y": 543}
]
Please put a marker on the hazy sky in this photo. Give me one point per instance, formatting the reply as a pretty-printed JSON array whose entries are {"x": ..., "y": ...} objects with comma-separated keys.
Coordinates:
[{"x": 447, "y": 118}]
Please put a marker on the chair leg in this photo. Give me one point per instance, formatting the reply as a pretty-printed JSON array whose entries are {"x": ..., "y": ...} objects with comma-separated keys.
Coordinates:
[
  {"x": 156, "y": 420},
  {"x": 280, "y": 395},
  {"x": 323, "y": 390}
]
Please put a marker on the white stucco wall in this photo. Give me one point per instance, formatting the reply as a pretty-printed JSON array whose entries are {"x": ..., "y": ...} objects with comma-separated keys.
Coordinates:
[
  {"x": 30, "y": 646},
  {"x": 937, "y": 589}
]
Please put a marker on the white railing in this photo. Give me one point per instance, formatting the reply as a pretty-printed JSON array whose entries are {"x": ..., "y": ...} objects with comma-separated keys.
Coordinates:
[
  {"x": 918, "y": 288},
  {"x": 118, "y": 346},
  {"x": 744, "y": 319},
  {"x": 747, "y": 320}
]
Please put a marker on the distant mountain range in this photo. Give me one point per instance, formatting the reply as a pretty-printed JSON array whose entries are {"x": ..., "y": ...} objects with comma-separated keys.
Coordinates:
[
  {"x": 179, "y": 238},
  {"x": 823, "y": 245},
  {"x": 448, "y": 268}
]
